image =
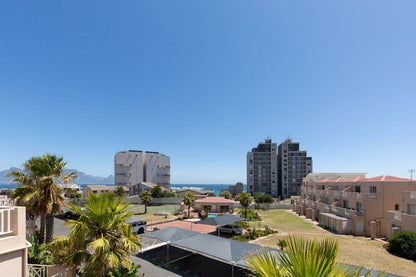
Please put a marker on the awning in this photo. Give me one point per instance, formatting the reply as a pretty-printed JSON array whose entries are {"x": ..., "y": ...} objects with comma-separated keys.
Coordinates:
[{"x": 220, "y": 220}]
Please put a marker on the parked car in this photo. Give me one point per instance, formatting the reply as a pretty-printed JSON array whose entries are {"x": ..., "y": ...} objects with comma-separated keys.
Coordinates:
[
  {"x": 230, "y": 229},
  {"x": 138, "y": 225}
]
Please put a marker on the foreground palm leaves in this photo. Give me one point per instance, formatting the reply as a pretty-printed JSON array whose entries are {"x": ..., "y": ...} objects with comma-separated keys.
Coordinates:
[
  {"x": 100, "y": 239},
  {"x": 303, "y": 258}
]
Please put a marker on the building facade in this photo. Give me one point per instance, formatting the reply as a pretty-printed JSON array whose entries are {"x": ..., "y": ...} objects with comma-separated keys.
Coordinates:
[
  {"x": 293, "y": 165},
  {"x": 215, "y": 205},
  {"x": 13, "y": 244},
  {"x": 404, "y": 219},
  {"x": 128, "y": 168},
  {"x": 262, "y": 169},
  {"x": 353, "y": 205},
  {"x": 156, "y": 168},
  {"x": 235, "y": 190}
]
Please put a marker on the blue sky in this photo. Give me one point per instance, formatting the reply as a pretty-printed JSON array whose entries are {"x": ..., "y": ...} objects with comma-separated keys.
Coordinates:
[{"x": 205, "y": 81}]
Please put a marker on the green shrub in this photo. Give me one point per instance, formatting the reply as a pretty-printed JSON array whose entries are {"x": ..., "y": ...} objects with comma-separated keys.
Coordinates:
[
  {"x": 251, "y": 214},
  {"x": 403, "y": 243},
  {"x": 263, "y": 198}
]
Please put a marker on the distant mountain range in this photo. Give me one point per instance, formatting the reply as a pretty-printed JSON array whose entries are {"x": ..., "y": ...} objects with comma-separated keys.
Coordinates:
[{"x": 82, "y": 177}]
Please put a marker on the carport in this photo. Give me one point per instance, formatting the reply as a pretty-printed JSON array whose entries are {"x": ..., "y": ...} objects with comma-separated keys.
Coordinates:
[
  {"x": 225, "y": 250},
  {"x": 220, "y": 220}
]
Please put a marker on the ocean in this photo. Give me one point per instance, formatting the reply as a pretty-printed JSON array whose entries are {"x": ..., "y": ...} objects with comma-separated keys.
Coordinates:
[{"x": 216, "y": 187}]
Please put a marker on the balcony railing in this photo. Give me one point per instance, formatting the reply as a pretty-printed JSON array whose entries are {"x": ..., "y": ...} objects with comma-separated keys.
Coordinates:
[
  {"x": 38, "y": 270},
  {"x": 398, "y": 216},
  {"x": 5, "y": 227},
  {"x": 6, "y": 202}
]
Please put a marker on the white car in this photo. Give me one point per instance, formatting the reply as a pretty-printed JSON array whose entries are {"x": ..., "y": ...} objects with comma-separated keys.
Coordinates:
[{"x": 230, "y": 229}]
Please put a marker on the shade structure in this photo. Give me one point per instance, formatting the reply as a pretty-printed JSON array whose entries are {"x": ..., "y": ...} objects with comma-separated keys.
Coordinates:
[
  {"x": 170, "y": 234},
  {"x": 229, "y": 251},
  {"x": 220, "y": 220},
  {"x": 134, "y": 219}
]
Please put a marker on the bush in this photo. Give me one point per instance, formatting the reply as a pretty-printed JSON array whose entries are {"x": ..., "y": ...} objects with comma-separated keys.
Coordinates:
[
  {"x": 226, "y": 194},
  {"x": 251, "y": 214},
  {"x": 403, "y": 243},
  {"x": 263, "y": 198},
  {"x": 253, "y": 233}
]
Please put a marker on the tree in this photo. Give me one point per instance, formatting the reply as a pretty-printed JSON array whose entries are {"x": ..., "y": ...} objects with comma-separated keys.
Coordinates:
[
  {"x": 189, "y": 200},
  {"x": 157, "y": 191},
  {"x": 100, "y": 240},
  {"x": 303, "y": 258},
  {"x": 146, "y": 199},
  {"x": 226, "y": 194},
  {"x": 119, "y": 191},
  {"x": 263, "y": 198},
  {"x": 39, "y": 190},
  {"x": 245, "y": 201}
]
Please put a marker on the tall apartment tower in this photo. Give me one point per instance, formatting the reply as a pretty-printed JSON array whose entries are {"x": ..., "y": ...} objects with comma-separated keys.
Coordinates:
[
  {"x": 262, "y": 169},
  {"x": 128, "y": 168},
  {"x": 293, "y": 166},
  {"x": 157, "y": 168}
]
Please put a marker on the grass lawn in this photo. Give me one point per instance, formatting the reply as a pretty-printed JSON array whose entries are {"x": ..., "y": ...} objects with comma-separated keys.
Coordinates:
[{"x": 354, "y": 250}]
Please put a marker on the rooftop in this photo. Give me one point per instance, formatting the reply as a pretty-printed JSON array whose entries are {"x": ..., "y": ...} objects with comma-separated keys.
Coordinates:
[
  {"x": 214, "y": 200},
  {"x": 382, "y": 178}
]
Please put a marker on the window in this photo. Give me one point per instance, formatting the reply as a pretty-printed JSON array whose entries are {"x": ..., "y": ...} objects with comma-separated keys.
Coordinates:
[
  {"x": 358, "y": 189},
  {"x": 396, "y": 207},
  {"x": 345, "y": 204},
  {"x": 373, "y": 191},
  {"x": 359, "y": 206},
  {"x": 411, "y": 209}
]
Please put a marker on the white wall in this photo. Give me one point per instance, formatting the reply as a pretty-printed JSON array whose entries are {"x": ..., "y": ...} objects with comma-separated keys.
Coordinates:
[
  {"x": 128, "y": 168},
  {"x": 157, "y": 169}
]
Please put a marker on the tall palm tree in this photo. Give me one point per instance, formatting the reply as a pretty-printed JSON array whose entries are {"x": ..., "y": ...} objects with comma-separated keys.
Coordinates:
[
  {"x": 303, "y": 258},
  {"x": 146, "y": 198},
  {"x": 245, "y": 201},
  {"x": 100, "y": 240},
  {"x": 39, "y": 189},
  {"x": 189, "y": 201}
]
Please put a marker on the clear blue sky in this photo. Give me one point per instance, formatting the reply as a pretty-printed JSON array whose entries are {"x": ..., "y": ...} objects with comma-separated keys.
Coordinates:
[{"x": 205, "y": 81}]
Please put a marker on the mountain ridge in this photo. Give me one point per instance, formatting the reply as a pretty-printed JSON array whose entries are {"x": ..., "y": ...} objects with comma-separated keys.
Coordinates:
[{"x": 83, "y": 178}]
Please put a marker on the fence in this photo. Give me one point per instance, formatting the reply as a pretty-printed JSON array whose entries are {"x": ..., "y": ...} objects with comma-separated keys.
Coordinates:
[{"x": 38, "y": 270}]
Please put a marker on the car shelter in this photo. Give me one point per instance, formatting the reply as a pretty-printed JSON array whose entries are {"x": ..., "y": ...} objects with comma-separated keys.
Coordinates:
[
  {"x": 220, "y": 220},
  {"x": 225, "y": 250}
]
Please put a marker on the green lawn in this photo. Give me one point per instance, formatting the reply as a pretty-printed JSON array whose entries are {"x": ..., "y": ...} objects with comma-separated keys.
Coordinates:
[
  {"x": 152, "y": 210},
  {"x": 356, "y": 250},
  {"x": 288, "y": 222}
]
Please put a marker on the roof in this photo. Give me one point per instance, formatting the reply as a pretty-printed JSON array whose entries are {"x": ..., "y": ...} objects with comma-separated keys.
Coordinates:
[
  {"x": 383, "y": 178},
  {"x": 230, "y": 251},
  {"x": 214, "y": 200},
  {"x": 133, "y": 219},
  {"x": 152, "y": 185},
  {"x": 334, "y": 216},
  {"x": 100, "y": 187}
]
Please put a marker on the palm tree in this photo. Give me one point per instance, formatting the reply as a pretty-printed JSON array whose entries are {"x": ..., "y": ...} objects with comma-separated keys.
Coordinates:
[
  {"x": 303, "y": 258},
  {"x": 100, "y": 240},
  {"x": 245, "y": 201},
  {"x": 39, "y": 189},
  {"x": 189, "y": 200},
  {"x": 146, "y": 198}
]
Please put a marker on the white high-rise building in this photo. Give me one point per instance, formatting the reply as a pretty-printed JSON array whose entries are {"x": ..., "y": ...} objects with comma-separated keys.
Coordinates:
[
  {"x": 157, "y": 169},
  {"x": 128, "y": 168}
]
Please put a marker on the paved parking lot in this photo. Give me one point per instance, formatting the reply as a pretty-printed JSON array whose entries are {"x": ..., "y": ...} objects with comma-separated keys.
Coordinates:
[{"x": 186, "y": 225}]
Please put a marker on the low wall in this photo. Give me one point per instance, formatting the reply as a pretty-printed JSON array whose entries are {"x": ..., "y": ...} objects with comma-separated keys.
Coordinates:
[{"x": 155, "y": 202}]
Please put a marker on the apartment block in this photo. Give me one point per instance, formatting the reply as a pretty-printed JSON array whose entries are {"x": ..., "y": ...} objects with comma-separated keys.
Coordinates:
[
  {"x": 234, "y": 189},
  {"x": 157, "y": 169},
  {"x": 293, "y": 165},
  {"x": 404, "y": 218},
  {"x": 352, "y": 204},
  {"x": 262, "y": 169},
  {"x": 128, "y": 168},
  {"x": 13, "y": 244}
]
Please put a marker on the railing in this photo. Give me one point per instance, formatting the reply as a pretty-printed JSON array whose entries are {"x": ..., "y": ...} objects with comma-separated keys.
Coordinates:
[
  {"x": 371, "y": 195},
  {"x": 38, "y": 270},
  {"x": 5, "y": 227},
  {"x": 398, "y": 216},
  {"x": 5, "y": 201}
]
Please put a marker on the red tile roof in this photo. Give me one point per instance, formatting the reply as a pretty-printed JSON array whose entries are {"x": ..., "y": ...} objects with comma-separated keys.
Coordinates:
[
  {"x": 214, "y": 200},
  {"x": 383, "y": 178}
]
